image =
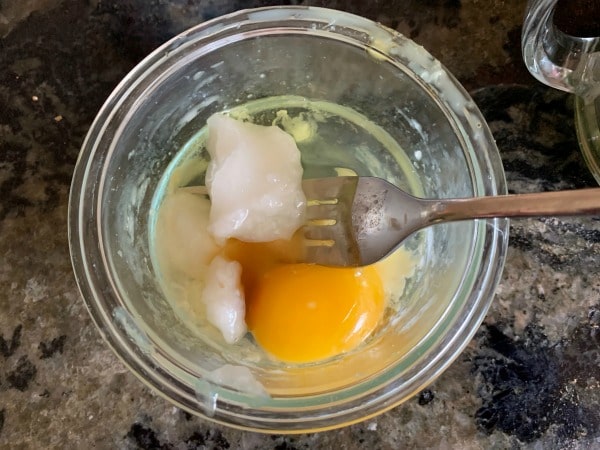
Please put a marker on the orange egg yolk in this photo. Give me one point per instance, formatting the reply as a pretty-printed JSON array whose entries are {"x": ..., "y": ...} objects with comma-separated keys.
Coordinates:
[{"x": 302, "y": 312}]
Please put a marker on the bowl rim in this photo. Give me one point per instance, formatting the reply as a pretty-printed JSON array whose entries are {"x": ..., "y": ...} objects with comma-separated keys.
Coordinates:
[{"x": 85, "y": 239}]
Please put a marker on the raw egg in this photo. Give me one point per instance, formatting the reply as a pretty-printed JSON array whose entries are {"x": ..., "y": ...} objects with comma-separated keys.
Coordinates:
[
  {"x": 233, "y": 260},
  {"x": 303, "y": 312}
]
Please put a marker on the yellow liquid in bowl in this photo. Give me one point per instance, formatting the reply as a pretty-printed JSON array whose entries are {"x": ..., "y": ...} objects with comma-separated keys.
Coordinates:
[{"x": 333, "y": 140}]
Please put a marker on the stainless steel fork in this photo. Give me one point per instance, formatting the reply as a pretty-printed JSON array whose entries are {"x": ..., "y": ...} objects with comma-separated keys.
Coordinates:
[{"x": 356, "y": 221}]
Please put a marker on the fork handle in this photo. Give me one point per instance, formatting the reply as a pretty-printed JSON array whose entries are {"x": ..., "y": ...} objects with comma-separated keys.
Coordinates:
[{"x": 559, "y": 203}]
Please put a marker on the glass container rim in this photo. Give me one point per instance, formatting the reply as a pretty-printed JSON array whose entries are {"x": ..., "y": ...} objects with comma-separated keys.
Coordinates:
[{"x": 84, "y": 205}]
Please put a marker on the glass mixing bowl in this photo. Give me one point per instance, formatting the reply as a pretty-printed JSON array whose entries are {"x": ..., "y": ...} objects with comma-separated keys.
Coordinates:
[{"x": 406, "y": 118}]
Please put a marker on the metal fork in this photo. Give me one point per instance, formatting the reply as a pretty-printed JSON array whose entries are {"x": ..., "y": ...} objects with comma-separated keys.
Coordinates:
[{"x": 356, "y": 221}]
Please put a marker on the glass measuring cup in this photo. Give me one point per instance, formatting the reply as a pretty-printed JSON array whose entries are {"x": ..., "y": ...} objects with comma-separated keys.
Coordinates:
[{"x": 561, "y": 48}]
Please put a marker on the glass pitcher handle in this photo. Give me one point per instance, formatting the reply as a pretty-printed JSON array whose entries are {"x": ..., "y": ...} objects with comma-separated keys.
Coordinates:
[{"x": 558, "y": 59}]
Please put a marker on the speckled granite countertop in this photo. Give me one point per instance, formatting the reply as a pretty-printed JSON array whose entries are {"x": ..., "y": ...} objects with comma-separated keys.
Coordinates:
[{"x": 529, "y": 379}]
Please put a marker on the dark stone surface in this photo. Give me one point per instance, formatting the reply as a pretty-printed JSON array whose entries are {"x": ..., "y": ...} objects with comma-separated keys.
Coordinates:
[{"x": 525, "y": 392}]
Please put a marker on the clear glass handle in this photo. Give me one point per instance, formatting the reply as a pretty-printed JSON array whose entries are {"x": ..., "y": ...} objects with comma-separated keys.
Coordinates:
[{"x": 558, "y": 59}]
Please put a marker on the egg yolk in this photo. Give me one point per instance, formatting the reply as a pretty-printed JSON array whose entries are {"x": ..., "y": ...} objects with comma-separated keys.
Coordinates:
[{"x": 303, "y": 313}]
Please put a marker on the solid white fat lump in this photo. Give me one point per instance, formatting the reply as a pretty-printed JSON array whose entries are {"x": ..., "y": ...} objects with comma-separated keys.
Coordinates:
[
  {"x": 182, "y": 226},
  {"x": 223, "y": 297},
  {"x": 254, "y": 181},
  {"x": 238, "y": 377}
]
